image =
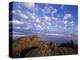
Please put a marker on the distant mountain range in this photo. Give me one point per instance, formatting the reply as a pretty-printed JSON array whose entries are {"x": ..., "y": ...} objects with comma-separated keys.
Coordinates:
[{"x": 55, "y": 38}]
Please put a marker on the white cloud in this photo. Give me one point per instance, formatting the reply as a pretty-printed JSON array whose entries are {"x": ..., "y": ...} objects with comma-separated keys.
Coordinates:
[
  {"x": 63, "y": 34},
  {"x": 47, "y": 29},
  {"x": 65, "y": 22},
  {"x": 16, "y": 27},
  {"x": 67, "y": 16},
  {"x": 33, "y": 17},
  {"x": 56, "y": 34},
  {"x": 38, "y": 26},
  {"x": 56, "y": 25},
  {"x": 49, "y": 23},
  {"x": 27, "y": 22},
  {"x": 24, "y": 16},
  {"x": 28, "y": 5},
  {"x": 16, "y": 12},
  {"x": 19, "y": 13},
  {"x": 34, "y": 14},
  {"x": 21, "y": 28},
  {"x": 15, "y": 22},
  {"x": 49, "y": 10},
  {"x": 47, "y": 18},
  {"x": 46, "y": 10},
  {"x": 37, "y": 21},
  {"x": 72, "y": 23},
  {"x": 29, "y": 13},
  {"x": 26, "y": 28},
  {"x": 15, "y": 32},
  {"x": 54, "y": 18}
]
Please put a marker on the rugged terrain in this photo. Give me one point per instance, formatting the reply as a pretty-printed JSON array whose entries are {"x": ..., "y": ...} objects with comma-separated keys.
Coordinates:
[{"x": 30, "y": 46}]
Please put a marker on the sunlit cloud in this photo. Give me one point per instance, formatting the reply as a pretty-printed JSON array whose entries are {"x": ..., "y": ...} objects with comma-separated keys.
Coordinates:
[
  {"x": 67, "y": 16},
  {"x": 17, "y": 27},
  {"x": 38, "y": 27},
  {"x": 72, "y": 23},
  {"x": 29, "y": 13},
  {"x": 27, "y": 22},
  {"x": 33, "y": 17},
  {"x": 54, "y": 18},
  {"x": 49, "y": 23},
  {"x": 48, "y": 29},
  {"x": 26, "y": 28},
  {"x": 19, "y": 13},
  {"x": 28, "y": 5},
  {"x": 37, "y": 21},
  {"x": 65, "y": 21},
  {"x": 16, "y": 22},
  {"x": 47, "y": 18},
  {"x": 16, "y": 12},
  {"x": 24, "y": 16}
]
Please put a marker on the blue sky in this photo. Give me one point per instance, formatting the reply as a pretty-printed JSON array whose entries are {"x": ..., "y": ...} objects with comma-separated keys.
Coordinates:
[{"x": 54, "y": 19}]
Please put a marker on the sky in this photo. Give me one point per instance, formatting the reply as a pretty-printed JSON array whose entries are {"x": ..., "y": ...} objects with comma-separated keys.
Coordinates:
[{"x": 52, "y": 19}]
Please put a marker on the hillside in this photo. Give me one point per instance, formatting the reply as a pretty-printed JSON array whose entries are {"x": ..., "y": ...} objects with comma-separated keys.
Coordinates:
[{"x": 30, "y": 46}]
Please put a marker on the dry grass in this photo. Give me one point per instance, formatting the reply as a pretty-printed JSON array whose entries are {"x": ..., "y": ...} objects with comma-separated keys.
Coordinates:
[{"x": 30, "y": 46}]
